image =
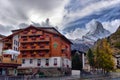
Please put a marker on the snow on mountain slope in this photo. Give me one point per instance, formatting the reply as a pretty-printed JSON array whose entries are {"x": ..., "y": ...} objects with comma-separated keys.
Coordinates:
[{"x": 96, "y": 32}]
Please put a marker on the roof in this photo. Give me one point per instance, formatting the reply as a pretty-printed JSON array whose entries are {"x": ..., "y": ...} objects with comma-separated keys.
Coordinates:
[
  {"x": 1, "y": 37},
  {"x": 46, "y": 29}
]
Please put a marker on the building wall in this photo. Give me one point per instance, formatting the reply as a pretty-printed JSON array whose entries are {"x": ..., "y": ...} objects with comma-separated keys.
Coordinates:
[
  {"x": 15, "y": 40},
  {"x": 56, "y": 46},
  {"x": 60, "y": 62},
  {"x": 67, "y": 48},
  {"x": 1, "y": 46}
]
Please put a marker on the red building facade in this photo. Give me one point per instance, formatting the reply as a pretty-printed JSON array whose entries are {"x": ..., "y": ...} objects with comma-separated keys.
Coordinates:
[{"x": 41, "y": 48}]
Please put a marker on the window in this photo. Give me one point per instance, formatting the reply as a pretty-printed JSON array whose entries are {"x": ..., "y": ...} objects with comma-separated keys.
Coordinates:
[
  {"x": 31, "y": 61},
  {"x": 55, "y": 36},
  {"x": 14, "y": 41},
  {"x": 47, "y": 51},
  {"x": 42, "y": 46},
  {"x": 41, "y": 37},
  {"x": 47, "y": 43},
  {"x": 47, "y": 36},
  {"x": 14, "y": 48},
  {"x": 39, "y": 62},
  {"x": 55, "y": 61},
  {"x": 67, "y": 63},
  {"x": 33, "y": 31},
  {"x": 47, "y": 62},
  {"x": 18, "y": 43},
  {"x": 23, "y": 61}
]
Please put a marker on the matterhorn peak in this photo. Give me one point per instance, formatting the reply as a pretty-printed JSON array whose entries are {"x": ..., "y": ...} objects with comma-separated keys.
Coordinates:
[{"x": 96, "y": 31}]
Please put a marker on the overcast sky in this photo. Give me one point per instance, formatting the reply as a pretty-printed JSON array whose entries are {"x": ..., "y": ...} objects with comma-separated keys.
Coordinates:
[{"x": 15, "y": 12}]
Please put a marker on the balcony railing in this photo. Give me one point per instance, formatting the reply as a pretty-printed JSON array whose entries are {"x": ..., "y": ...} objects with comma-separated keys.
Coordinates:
[
  {"x": 31, "y": 33},
  {"x": 27, "y": 40},
  {"x": 63, "y": 47},
  {"x": 63, "y": 55},
  {"x": 6, "y": 47},
  {"x": 10, "y": 60},
  {"x": 34, "y": 48},
  {"x": 8, "y": 41}
]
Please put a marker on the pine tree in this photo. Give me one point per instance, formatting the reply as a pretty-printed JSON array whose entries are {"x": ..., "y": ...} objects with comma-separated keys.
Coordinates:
[
  {"x": 90, "y": 56},
  {"x": 76, "y": 62}
]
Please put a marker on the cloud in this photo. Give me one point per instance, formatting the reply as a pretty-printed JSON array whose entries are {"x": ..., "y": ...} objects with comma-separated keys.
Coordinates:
[
  {"x": 77, "y": 33},
  {"x": 14, "y": 12},
  {"x": 42, "y": 24},
  {"x": 5, "y": 30},
  {"x": 19, "y": 13},
  {"x": 111, "y": 25},
  {"x": 90, "y": 27},
  {"x": 11, "y": 15},
  {"x": 40, "y": 10},
  {"x": 88, "y": 7}
]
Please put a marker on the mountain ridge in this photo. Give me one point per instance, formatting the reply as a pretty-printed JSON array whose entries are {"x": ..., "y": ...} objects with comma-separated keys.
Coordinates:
[{"x": 89, "y": 38}]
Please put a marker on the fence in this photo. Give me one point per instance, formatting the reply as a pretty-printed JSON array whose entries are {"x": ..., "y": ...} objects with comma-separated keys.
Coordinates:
[
  {"x": 39, "y": 78},
  {"x": 110, "y": 76}
]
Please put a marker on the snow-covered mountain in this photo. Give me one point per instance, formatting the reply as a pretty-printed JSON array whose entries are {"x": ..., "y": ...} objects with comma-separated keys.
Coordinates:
[
  {"x": 90, "y": 37},
  {"x": 96, "y": 32},
  {"x": 87, "y": 29}
]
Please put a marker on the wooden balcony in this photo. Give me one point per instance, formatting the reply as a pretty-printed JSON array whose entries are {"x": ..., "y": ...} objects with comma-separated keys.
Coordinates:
[
  {"x": 31, "y": 33},
  {"x": 35, "y": 33},
  {"x": 34, "y": 48},
  {"x": 19, "y": 61},
  {"x": 8, "y": 41},
  {"x": 63, "y": 55},
  {"x": 29, "y": 40},
  {"x": 6, "y": 47},
  {"x": 12, "y": 61},
  {"x": 47, "y": 55},
  {"x": 63, "y": 47},
  {"x": 42, "y": 55}
]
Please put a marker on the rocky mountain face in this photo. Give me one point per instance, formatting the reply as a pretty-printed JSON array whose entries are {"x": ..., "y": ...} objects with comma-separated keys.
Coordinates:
[
  {"x": 114, "y": 40},
  {"x": 79, "y": 45},
  {"x": 97, "y": 32}
]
